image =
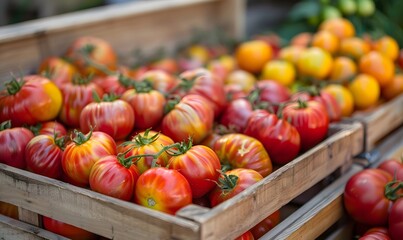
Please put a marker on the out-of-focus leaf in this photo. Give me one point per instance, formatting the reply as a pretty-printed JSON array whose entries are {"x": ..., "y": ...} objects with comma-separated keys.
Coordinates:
[{"x": 304, "y": 10}]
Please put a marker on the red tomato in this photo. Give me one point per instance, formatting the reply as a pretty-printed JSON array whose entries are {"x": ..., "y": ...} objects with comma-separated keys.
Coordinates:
[
  {"x": 43, "y": 155},
  {"x": 9, "y": 210},
  {"x": 246, "y": 236},
  {"x": 51, "y": 128},
  {"x": 30, "y": 100},
  {"x": 200, "y": 166},
  {"x": 92, "y": 55},
  {"x": 112, "y": 116},
  {"x": 364, "y": 197},
  {"x": 114, "y": 176},
  {"x": 237, "y": 150},
  {"x": 396, "y": 219},
  {"x": 116, "y": 84},
  {"x": 273, "y": 92},
  {"x": 67, "y": 230},
  {"x": 377, "y": 233},
  {"x": 160, "y": 80},
  {"x": 280, "y": 139},
  {"x": 147, "y": 104},
  {"x": 75, "y": 97},
  {"x": 168, "y": 65},
  {"x": 58, "y": 70},
  {"x": 233, "y": 182},
  {"x": 148, "y": 142},
  {"x": 234, "y": 91},
  {"x": 394, "y": 167},
  {"x": 163, "y": 189},
  {"x": 266, "y": 225},
  {"x": 84, "y": 150},
  {"x": 191, "y": 117},
  {"x": 310, "y": 119},
  {"x": 236, "y": 114},
  {"x": 202, "y": 82},
  {"x": 12, "y": 144}
]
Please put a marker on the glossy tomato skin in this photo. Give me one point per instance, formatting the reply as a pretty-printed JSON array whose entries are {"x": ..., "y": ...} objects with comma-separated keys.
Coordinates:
[
  {"x": 108, "y": 176},
  {"x": 280, "y": 139},
  {"x": 246, "y": 178},
  {"x": 78, "y": 158},
  {"x": 38, "y": 99},
  {"x": 241, "y": 151},
  {"x": 364, "y": 197},
  {"x": 12, "y": 146},
  {"x": 75, "y": 98},
  {"x": 51, "y": 128},
  {"x": 112, "y": 84},
  {"x": 273, "y": 92},
  {"x": 236, "y": 114},
  {"x": 200, "y": 166},
  {"x": 67, "y": 230},
  {"x": 43, "y": 156},
  {"x": 191, "y": 117},
  {"x": 163, "y": 189},
  {"x": 396, "y": 220},
  {"x": 377, "y": 233},
  {"x": 311, "y": 121},
  {"x": 148, "y": 107},
  {"x": 393, "y": 167},
  {"x": 246, "y": 236},
  {"x": 160, "y": 80},
  {"x": 58, "y": 70},
  {"x": 266, "y": 225},
  {"x": 116, "y": 118}
]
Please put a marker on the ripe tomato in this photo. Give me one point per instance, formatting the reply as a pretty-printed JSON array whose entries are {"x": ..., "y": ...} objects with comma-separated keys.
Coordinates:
[
  {"x": 378, "y": 66},
  {"x": 147, "y": 104},
  {"x": 30, "y": 100},
  {"x": 246, "y": 236},
  {"x": 84, "y": 150},
  {"x": 236, "y": 150},
  {"x": 242, "y": 78},
  {"x": 58, "y": 70},
  {"x": 191, "y": 117},
  {"x": 43, "y": 155},
  {"x": 252, "y": 55},
  {"x": 301, "y": 39},
  {"x": 343, "y": 68},
  {"x": 51, "y": 128},
  {"x": 377, "y": 233},
  {"x": 343, "y": 97},
  {"x": 396, "y": 219},
  {"x": 388, "y": 47},
  {"x": 76, "y": 96},
  {"x": 272, "y": 92},
  {"x": 364, "y": 197},
  {"x": 148, "y": 142},
  {"x": 394, "y": 88},
  {"x": 280, "y": 139},
  {"x": 326, "y": 40},
  {"x": 67, "y": 230},
  {"x": 266, "y": 225},
  {"x": 116, "y": 84},
  {"x": 9, "y": 210},
  {"x": 365, "y": 90},
  {"x": 291, "y": 53},
  {"x": 393, "y": 167},
  {"x": 233, "y": 182},
  {"x": 354, "y": 47},
  {"x": 163, "y": 189},
  {"x": 12, "y": 144},
  {"x": 160, "y": 80},
  {"x": 279, "y": 71},
  {"x": 341, "y": 27},
  {"x": 199, "y": 164},
  {"x": 236, "y": 114},
  {"x": 114, "y": 176},
  {"x": 166, "y": 64},
  {"x": 315, "y": 62},
  {"x": 112, "y": 116}
]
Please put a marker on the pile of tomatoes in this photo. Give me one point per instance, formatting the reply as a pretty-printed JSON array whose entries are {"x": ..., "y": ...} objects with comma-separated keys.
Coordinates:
[{"x": 374, "y": 200}]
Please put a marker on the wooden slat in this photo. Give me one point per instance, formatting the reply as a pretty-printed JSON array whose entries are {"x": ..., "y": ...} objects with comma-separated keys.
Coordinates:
[
  {"x": 11, "y": 229},
  {"x": 28, "y": 216},
  {"x": 254, "y": 204},
  {"x": 89, "y": 210}
]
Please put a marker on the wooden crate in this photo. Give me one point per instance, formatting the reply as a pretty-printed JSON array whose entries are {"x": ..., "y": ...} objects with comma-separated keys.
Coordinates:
[
  {"x": 113, "y": 218},
  {"x": 142, "y": 24}
]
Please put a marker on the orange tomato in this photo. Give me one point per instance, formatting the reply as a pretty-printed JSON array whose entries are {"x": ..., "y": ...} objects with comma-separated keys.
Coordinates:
[
  {"x": 343, "y": 97},
  {"x": 326, "y": 40},
  {"x": 291, "y": 53},
  {"x": 280, "y": 71},
  {"x": 365, "y": 90},
  {"x": 253, "y": 55},
  {"x": 394, "y": 88},
  {"x": 302, "y": 39},
  {"x": 378, "y": 66},
  {"x": 242, "y": 78},
  {"x": 388, "y": 47},
  {"x": 315, "y": 62},
  {"x": 343, "y": 68},
  {"x": 341, "y": 27},
  {"x": 354, "y": 47}
]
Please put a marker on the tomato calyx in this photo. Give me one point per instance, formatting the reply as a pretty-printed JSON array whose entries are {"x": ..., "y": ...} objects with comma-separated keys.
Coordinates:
[
  {"x": 80, "y": 80},
  {"x": 392, "y": 188},
  {"x": 86, "y": 52},
  {"x": 14, "y": 86},
  {"x": 302, "y": 104},
  {"x": 142, "y": 140},
  {"x": 79, "y": 137},
  {"x": 171, "y": 103},
  {"x": 177, "y": 149},
  {"x": 142, "y": 86},
  {"x": 5, "y": 125},
  {"x": 228, "y": 182}
]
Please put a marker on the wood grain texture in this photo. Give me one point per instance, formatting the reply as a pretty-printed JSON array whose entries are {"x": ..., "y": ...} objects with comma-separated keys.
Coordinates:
[
  {"x": 11, "y": 229},
  {"x": 28, "y": 216}
]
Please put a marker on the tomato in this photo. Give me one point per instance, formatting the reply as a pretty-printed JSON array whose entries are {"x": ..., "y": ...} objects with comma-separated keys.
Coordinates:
[
  {"x": 234, "y": 91},
  {"x": 311, "y": 121},
  {"x": 148, "y": 142},
  {"x": 202, "y": 82},
  {"x": 116, "y": 84},
  {"x": 377, "y": 65},
  {"x": 364, "y": 197},
  {"x": 160, "y": 80},
  {"x": 394, "y": 88},
  {"x": 272, "y": 92},
  {"x": 341, "y": 27},
  {"x": 84, "y": 150},
  {"x": 92, "y": 55},
  {"x": 365, "y": 90},
  {"x": 66, "y": 230},
  {"x": 396, "y": 219},
  {"x": 377, "y": 233},
  {"x": 58, "y": 70},
  {"x": 354, "y": 47},
  {"x": 43, "y": 155},
  {"x": 191, "y": 117},
  {"x": 199, "y": 164},
  {"x": 114, "y": 176},
  {"x": 112, "y": 116},
  {"x": 343, "y": 68},
  {"x": 30, "y": 100},
  {"x": 12, "y": 144},
  {"x": 51, "y": 128},
  {"x": 246, "y": 236},
  {"x": 76, "y": 96},
  {"x": 279, "y": 71},
  {"x": 165, "y": 64},
  {"x": 266, "y": 225},
  {"x": 237, "y": 113},
  {"x": 163, "y": 189},
  {"x": 233, "y": 182},
  {"x": 237, "y": 150},
  {"x": 291, "y": 53},
  {"x": 241, "y": 78},
  {"x": 147, "y": 104},
  {"x": 326, "y": 40},
  {"x": 8, "y": 210},
  {"x": 302, "y": 40},
  {"x": 280, "y": 139},
  {"x": 343, "y": 97},
  {"x": 315, "y": 62},
  {"x": 252, "y": 55}
]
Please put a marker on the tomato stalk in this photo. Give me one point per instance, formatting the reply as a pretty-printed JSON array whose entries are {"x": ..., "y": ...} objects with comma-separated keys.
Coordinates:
[
  {"x": 139, "y": 140},
  {"x": 80, "y": 138},
  {"x": 228, "y": 182},
  {"x": 142, "y": 87},
  {"x": 171, "y": 103},
  {"x": 5, "y": 125},
  {"x": 124, "y": 81},
  {"x": 85, "y": 52},
  {"x": 302, "y": 104},
  {"x": 14, "y": 86},
  {"x": 392, "y": 188}
]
